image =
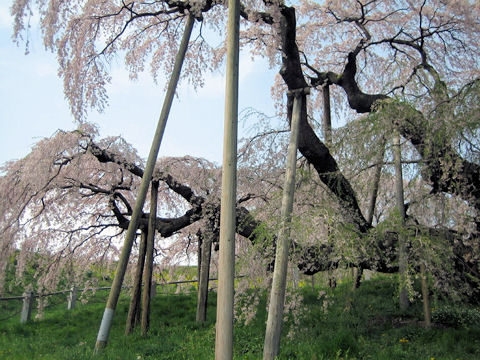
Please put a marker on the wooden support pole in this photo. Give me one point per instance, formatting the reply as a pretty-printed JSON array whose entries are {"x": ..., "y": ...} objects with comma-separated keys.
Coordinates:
[
  {"x": 277, "y": 294},
  {"x": 134, "y": 308},
  {"x": 26, "y": 307},
  {"x": 107, "y": 319},
  {"x": 426, "y": 300},
  {"x": 375, "y": 183},
  {"x": 72, "y": 298},
  {"x": 327, "y": 116},
  {"x": 202, "y": 295},
  {"x": 402, "y": 246},
  {"x": 199, "y": 252},
  {"x": 147, "y": 274},
  {"x": 226, "y": 271},
  {"x": 357, "y": 278}
]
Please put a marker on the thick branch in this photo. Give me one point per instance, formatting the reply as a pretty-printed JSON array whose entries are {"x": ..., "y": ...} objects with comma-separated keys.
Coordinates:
[{"x": 309, "y": 144}]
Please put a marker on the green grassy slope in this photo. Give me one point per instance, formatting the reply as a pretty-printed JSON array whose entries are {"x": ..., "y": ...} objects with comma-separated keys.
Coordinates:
[{"x": 337, "y": 324}]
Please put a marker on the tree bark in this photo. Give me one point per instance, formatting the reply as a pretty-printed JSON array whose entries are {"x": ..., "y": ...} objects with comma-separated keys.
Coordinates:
[
  {"x": 134, "y": 309},
  {"x": 309, "y": 144}
]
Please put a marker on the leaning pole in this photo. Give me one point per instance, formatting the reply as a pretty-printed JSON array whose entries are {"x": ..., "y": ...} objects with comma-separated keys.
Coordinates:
[
  {"x": 224, "y": 327},
  {"x": 402, "y": 240},
  {"x": 277, "y": 294},
  {"x": 106, "y": 323}
]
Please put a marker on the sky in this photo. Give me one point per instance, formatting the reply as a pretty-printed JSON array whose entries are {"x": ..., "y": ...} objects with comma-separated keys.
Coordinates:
[{"x": 32, "y": 103}]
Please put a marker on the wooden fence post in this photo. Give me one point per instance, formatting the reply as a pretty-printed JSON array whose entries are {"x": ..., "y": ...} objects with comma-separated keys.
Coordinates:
[
  {"x": 27, "y": 307},
  {"x": 72, "y": 298}
]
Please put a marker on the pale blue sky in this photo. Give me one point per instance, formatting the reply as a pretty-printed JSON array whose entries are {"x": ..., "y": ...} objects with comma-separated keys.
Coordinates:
[{"x": 32, "y": 104}]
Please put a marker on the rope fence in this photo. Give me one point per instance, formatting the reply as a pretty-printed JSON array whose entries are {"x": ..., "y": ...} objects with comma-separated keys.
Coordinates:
[{"x": 28, "y": 297}]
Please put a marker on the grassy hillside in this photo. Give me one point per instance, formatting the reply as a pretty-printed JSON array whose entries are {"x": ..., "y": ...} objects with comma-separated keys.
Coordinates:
[{"x": 337, "y": 324}]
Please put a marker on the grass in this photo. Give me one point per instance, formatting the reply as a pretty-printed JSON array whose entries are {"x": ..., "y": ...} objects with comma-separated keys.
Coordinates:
[{"x": 337, "y": 324}]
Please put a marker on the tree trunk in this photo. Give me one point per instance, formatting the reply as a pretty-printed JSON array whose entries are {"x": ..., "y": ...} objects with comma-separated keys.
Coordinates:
[
  {"x": 226, "y": 271},
  {"x": 277, "y": 295},
  {"x": 112, "y": 301},
  {"x": 402, "y": 248},
  {"x": 357, "y": 273},
  {"x": 203, "y": 278},
  {"x": 147, "y": 274},
  {"x": 134, "y": 309}
]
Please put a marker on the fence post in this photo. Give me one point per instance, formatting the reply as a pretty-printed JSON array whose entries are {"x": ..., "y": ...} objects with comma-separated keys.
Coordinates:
[
  {"x": 27, "y": 307},
  {"x": 72, "y": 298}
]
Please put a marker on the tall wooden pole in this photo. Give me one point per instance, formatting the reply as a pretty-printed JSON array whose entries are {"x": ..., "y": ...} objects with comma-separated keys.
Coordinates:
[
  {"x": 425, "y": 297},
  {"x": 375, "y": 183},
  {"x": 107, "y": 319},
  {"x": 327, "y": 139},
  {"x": 277, "y": 295},
  {"x": 327, "y": 116},
  {"x": 147, "y": 274},
  {"x": 134, "y": 308},
  {"x": 226, "y": 271},
  {"x": 402, "y": 251},
  {"x": 202, "y": 295}
]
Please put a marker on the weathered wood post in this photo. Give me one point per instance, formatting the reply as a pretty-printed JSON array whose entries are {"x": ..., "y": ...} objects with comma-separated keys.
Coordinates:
[
  {"x": 327, "y": 139},
  {"x": 277, "y": 294},
  {"x": 357, "y": 278},
  {"x": 327, "y": 116},
  {"x": 402, "y": 251},
  {"x": 134, "y": 309},
  {"x": 72, "y": 298},
  {"x": 226, "y": 271},
  {"x": 26, "y": 307},
  {"x": 426, "y": 301},
  {"x": 147, "y": 274},
  {"x": 375, "y": 183},
  {"x": 107, "y": 319},
  {"x": 202, "y": 295}
]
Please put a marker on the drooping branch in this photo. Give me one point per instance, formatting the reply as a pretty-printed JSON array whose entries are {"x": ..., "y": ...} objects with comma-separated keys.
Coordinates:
[{"x": 457, "y": 176}]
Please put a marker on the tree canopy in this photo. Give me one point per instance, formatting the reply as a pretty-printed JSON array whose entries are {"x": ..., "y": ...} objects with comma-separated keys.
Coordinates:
[{"x": 391, "y": 65}]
